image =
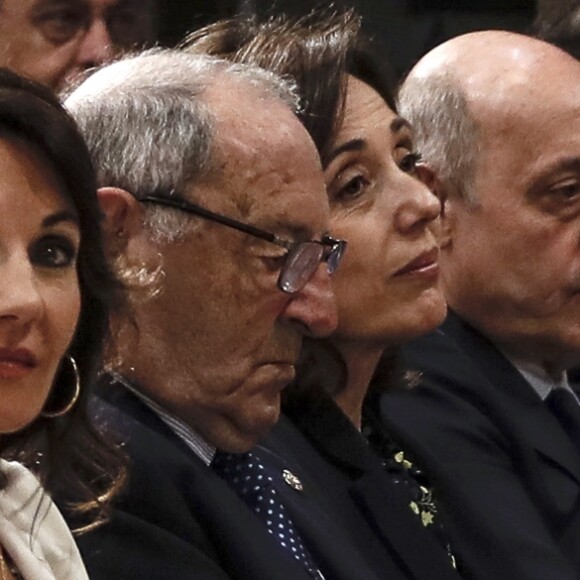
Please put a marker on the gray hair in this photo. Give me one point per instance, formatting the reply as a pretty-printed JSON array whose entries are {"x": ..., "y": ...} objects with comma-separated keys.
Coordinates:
[
  {"x": 148, "y": 128},
  {"x": 446, "y": 132}
]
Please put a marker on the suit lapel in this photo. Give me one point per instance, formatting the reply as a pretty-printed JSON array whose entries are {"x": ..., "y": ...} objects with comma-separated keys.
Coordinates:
[
  {"x": 245, "y": 548},
  {"x": 332, "y": 548},
  {"x": 542, "y": 429},
  {"x": 384, "y": 505},
  {"x": 332, "y": 433}
]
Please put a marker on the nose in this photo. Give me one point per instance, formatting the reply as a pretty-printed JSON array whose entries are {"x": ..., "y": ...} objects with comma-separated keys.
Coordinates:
[
  {"x": 96, "y": 46},
  {"x": 419, "y": 207},
  {"x": 20, "y": 299},
  {"x": 314, "y": 307}
]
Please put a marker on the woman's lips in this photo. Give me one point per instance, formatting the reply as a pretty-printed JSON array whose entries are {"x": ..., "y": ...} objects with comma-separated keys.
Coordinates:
[
  {"x": 15, "y": 363},
  {"x": 426, "y": 264}
]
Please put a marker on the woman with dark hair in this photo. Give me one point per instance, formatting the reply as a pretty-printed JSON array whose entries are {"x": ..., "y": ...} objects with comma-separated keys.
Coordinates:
[
  {"x": 55, "y": 298},
  {"x": 386, "y": 288}
]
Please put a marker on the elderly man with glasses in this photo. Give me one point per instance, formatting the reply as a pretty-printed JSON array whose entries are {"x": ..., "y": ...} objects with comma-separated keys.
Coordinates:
[{"x": 216, "y": 216}]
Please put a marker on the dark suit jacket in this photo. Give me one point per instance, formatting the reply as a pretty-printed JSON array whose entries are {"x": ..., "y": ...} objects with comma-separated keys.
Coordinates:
[
  {"x": 507, "y": 474},
  {"x": 329, "y": 452},
  {"x": 179, "y": 520}
]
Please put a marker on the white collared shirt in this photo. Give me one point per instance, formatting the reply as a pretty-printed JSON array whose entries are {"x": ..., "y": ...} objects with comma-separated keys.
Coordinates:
[
  {"x": 191, "y": 438},
  {"x": 542, "y": 382}
]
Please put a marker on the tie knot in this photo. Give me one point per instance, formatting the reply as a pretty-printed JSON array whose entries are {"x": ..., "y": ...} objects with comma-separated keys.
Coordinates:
[
  {"x": 560, "y": 397},
  {"x": 564, "y": 406},
  {"x": 243, "y": 471},
  {"x": 223, "y": 461}
]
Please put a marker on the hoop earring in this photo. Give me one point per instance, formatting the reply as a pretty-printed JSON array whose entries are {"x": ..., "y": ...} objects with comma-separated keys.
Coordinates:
[{"x": 74, "y": 399}]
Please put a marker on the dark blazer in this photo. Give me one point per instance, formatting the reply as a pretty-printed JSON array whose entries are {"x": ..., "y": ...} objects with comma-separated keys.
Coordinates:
[
  {"x": 507, "y": 474},
  {"x": 179, "y": 520},
  {"x": 329, "y": 450}
]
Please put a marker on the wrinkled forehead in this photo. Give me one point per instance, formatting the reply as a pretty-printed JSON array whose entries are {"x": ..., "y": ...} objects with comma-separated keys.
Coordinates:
[
  {"x": 268, "y": 166},
  {"x": 531, "y": 115},
  {"x": 529, "y": 130}
]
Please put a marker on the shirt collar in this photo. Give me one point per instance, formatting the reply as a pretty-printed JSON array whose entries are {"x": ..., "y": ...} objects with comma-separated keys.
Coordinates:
[
  {"x": 196, "y": 443},
  {"x": 539, "y": 379}
]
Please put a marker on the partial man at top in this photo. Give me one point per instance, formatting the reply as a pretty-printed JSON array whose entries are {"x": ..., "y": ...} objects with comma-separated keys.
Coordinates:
[{"x": 52, "y": 41}]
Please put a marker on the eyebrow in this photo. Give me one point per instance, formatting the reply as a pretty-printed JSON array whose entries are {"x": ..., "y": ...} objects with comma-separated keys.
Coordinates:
[
  {"x": 396, "y": 125},
  {"x": 294, "y": 231},
  {"x": 60, "y": 217},
  {"x": 572, "y": 163},
  {"x": 353, "y": 145}
]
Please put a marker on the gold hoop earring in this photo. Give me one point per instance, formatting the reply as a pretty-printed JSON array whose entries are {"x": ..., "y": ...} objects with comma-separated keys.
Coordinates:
[{"x": 74, "y": 399}]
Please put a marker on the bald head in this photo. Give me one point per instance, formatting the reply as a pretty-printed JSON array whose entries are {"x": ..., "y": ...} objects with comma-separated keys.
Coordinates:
[
  {"x": 473, "y": 84},
  {"x": 474, "y": 60},
  {"x": 497, "y": 117}
]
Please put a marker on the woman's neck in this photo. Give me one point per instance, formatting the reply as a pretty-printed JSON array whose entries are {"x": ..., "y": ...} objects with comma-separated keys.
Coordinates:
[{"x": 361, "y": 363}]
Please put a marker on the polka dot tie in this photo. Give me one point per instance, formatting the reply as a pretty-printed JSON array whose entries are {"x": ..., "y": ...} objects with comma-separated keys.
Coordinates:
[{"x": 249, "y": 478}]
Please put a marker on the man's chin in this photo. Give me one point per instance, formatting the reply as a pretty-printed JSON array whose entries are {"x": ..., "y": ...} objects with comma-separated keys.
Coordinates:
[{"x": 245, "y": 434}]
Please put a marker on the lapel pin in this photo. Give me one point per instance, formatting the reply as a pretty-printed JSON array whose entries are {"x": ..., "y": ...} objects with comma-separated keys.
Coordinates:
[{"x": 292, "y": 480}]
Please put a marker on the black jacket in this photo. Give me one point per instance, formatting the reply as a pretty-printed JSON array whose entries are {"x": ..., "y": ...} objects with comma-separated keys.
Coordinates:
[
  {"x": 178, "y": 520},
  {"x": 332, "y": 454},
  {"x": 507, "y": 473}
]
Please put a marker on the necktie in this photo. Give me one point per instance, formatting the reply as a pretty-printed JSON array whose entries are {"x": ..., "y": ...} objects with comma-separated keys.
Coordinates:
[
  {"x": 251, "y": 481},
  {"x": 566, "y": 408}
]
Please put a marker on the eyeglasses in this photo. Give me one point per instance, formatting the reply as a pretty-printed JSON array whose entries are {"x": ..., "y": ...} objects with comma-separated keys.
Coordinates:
[{"x": 302, "y": 259}]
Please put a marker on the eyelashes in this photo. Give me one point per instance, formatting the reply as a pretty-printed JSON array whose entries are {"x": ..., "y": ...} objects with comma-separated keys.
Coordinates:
[
  {"x": 409, "y": 162},
  {"x": 53, "y": 251},
  {"x": 353, "y": 188}
]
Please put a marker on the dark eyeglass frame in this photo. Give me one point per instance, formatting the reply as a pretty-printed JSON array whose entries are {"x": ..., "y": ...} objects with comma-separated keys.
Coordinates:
[{"x": 332, "y": 249}]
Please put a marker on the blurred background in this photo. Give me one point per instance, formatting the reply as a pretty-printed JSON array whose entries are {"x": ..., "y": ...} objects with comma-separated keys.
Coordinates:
[{"x": 403, "y": 29}]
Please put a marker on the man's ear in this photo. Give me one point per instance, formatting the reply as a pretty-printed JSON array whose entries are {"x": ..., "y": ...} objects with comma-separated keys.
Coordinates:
[
  {"x": 448, "y": 220},
  {"x": 122, "y": 215},
  {"x": 426, "y": 175},
  {"x": 429, "y": 177}
]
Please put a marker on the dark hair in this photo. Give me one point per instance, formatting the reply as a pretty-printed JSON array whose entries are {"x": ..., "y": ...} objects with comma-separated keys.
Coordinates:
[
  {"x": 67, "y": 452},
  {"x": 558, "y": 23},
  {"x": 319, "y": 51}
]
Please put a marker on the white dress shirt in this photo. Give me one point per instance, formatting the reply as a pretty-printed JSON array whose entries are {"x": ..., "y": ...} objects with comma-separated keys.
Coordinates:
[{"x": 191, "y": 438}]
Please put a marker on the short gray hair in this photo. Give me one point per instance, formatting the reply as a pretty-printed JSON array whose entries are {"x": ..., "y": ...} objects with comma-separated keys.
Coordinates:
[
  {"x": 148, "y": 128},
  {"x": 446, "y": 132}
]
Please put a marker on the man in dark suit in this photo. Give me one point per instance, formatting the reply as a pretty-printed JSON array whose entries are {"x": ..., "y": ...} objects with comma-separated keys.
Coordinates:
[
  {"x": 497, "y": 117},
  {"x": 216, "y": 214}
]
